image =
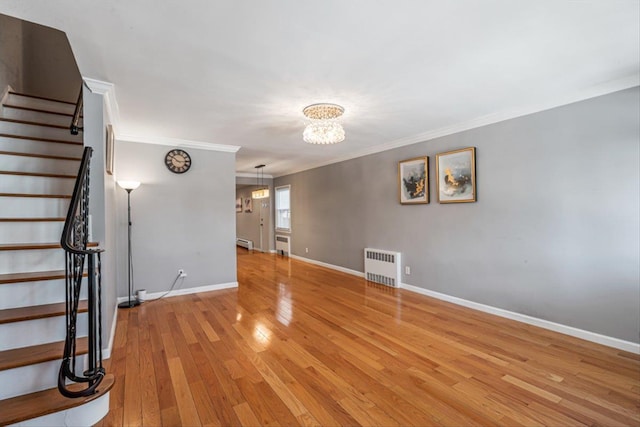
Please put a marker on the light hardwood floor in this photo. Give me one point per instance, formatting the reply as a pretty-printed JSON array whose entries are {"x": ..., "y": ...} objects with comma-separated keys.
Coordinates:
[{"x": 298, "y": 344}]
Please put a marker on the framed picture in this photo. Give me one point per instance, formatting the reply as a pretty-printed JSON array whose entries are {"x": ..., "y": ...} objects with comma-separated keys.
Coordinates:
[
  {"x": 109, "y": 146},
  {"x": 456, "y": 176},
  {"x": 239, "y": 204},
  {"x": 248, "y": 205},
  {"x": 413, "y": 180}
]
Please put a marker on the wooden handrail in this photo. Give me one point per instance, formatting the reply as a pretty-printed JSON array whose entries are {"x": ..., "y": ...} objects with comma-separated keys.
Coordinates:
[{"x": 76, "y": 115}]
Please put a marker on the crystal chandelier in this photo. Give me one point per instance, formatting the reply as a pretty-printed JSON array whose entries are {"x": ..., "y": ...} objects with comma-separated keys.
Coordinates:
[{"x": 323, "y": 127}]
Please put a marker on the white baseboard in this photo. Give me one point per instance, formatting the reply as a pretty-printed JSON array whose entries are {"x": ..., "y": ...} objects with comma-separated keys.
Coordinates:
[
  {"x": 545, "y": 324},
  {"x": 331, "y": 266},
  {"x": 106, "y": 352},
  {"x": 177, "y": 292}
]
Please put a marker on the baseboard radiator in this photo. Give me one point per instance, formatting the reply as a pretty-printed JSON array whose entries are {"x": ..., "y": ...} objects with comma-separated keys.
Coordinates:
[
  {"x": 244, "y": 243},
  {"x": 283, "y": 244},
  {"x": 382, "y": 267}
]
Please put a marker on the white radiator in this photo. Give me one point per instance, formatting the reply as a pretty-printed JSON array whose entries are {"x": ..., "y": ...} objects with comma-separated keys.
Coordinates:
[
  {"x": 245, "y": 243},
  {"x": 283, "y": 243},
  {"x": 382, "y": 267}
]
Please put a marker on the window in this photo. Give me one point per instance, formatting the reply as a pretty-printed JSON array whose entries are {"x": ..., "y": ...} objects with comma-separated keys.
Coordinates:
[{"x": 283, "y": 208}]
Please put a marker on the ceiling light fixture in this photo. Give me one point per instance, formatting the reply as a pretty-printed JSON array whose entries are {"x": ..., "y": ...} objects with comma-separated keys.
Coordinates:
[
  {"x": 260, "y": 193},
  {"x": 323, "y": 127}
]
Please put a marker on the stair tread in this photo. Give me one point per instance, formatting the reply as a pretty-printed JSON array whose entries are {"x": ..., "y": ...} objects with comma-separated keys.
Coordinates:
[
  {"x": 32, "y": 123},
  {"x": 34, "y": 354},
  {"x": 40, "y": 156},
  {"x": 45, "y": 175},
  {"x": 46, "y": 402},
  {"x": 45, "y": 196},
  {"x": 26, "y": 95},
  {"x": 37, "y": 312},
  {"x": 47, "y": 219},
  {"x": 37, "y": 138},
  {"x": 27, "y": 246},
  {"x": 38, "y": 110},
  {"x": 34, "y": 276}
]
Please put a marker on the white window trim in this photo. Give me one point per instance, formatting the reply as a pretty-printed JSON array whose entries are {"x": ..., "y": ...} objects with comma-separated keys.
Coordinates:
[{"x": 275, "y": 198}]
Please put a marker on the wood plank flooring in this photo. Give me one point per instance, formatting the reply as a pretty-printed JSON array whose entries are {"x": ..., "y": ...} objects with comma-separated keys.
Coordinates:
[{"x": 297, "y": 344}]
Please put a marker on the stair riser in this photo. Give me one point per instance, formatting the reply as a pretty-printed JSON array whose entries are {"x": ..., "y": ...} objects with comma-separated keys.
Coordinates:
[
  {"x": 35, "y": 185},
  {"x": 36, "y": 131},
  {"x": 25, "y": 294},
  {"x": 85, "y": 415},
  {"x": 39, "y": 104},
  {"x": 17, "y": 207},
  {"x": 31, "y": 261},
  {"x": 30, "y": 232},
  {"x": 39, "y": 331},
  {"x": 29, "y": 379},
  {"x": 40, "y": 147},
  {"x": 36, "y": 164},
  {"x": 36, "y": 116}
]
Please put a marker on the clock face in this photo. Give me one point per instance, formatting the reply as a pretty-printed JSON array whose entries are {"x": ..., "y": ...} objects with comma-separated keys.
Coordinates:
[{"x": 178, "y": 161}]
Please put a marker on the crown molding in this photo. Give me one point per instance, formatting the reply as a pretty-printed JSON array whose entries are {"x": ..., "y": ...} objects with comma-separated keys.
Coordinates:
[
  {"x": 108, "y": 91},
  {"x": 251, "y": 175},
  {"x": 177, "y": 142},
  {"x": 592, "y": 92}
]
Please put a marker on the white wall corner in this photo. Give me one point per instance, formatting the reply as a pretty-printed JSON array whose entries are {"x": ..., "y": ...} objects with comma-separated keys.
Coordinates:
[
  {"x": 106, "y": 352},
  {"x": 5, "y": 94},
  {"x": 108, "y": 91}
]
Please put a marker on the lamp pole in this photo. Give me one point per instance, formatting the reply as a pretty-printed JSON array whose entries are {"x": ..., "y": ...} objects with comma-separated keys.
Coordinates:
[{"x": 129, "y": 186}]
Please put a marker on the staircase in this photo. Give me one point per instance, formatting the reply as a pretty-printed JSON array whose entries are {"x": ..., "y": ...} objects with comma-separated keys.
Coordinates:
[{"x": 39, "y": 160}]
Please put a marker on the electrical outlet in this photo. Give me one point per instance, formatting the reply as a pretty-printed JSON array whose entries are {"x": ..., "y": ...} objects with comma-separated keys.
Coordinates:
[
  {"x": 181, "y": 273},
  {"x": 407, "y": 270},
  {"x": 306, "y": 250}
]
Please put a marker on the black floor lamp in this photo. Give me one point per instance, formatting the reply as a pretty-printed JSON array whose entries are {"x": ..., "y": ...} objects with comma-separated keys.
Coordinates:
[{"x": 129, "y": 186}]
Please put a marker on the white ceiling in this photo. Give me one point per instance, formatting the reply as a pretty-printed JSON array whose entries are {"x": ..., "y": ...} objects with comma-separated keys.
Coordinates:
[{"x": 240, "y": 72}]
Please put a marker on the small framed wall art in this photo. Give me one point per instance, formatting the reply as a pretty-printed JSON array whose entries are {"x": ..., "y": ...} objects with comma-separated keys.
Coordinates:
[
  {"x": 239, "y": 204},
  {"x": 248, "y": 205},
  {"x": 456, "y": 176},
  {"x": 413, "y": 180}
]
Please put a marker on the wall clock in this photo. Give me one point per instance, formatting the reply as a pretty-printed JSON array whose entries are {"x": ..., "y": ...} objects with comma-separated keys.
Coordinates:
[{"x": 177, "y": 161}]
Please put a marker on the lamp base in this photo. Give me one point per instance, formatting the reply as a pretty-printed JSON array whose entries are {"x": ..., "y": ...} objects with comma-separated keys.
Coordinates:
[{"x": 129, "y": 304}]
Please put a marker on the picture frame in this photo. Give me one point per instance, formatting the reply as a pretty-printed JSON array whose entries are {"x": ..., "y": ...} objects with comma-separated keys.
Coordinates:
[
  {"x": 239, "y": 204},
  {"x": 248, "y": 205},
  {"x": 109, "y": 147},
  {"x": 456, "y": 176},
  {"x": 413, "y": 181}
]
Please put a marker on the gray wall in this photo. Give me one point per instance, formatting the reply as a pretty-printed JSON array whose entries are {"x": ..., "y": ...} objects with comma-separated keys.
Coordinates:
[
  {"x": 179, "y": 221},
  {"x": 37, "y": 60},
  {"x": 554, "y": 234},
  {"x": 11, "y": 51},
  {"x": 248, "y": 224}
]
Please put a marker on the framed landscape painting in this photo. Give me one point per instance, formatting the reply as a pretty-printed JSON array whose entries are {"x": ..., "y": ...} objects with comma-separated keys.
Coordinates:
[
  {"x": 456, "y": 176},
  {"x": 413, "y": 180}
]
